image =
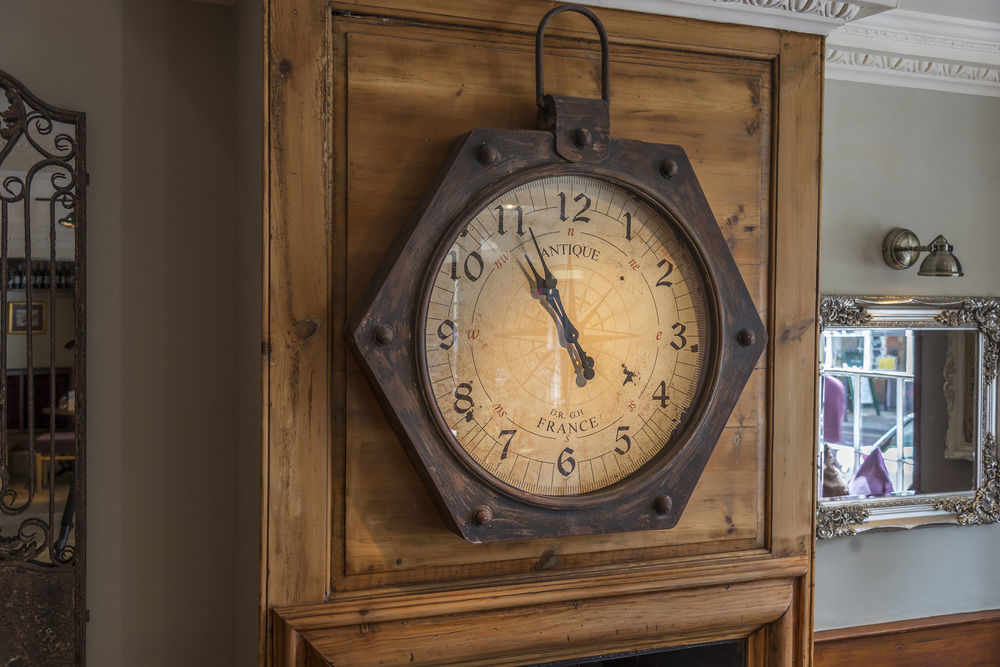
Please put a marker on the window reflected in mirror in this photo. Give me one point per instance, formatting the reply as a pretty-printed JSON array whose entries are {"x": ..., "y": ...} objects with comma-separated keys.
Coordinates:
[{"x": 897, "y": 412}]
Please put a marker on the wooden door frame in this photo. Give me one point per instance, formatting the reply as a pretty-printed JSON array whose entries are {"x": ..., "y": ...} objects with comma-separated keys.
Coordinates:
[{"x": 301, "y": 332}]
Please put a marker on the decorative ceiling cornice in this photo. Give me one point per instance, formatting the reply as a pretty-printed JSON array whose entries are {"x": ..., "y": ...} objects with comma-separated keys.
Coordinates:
[
  {"x": 868, "y": 41},
  {"x": 817, "y": 17},
  {"x": 917, "y": 50}
]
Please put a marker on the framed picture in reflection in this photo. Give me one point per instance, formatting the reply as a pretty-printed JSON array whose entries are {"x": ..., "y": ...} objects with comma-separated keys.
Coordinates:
[{"x": 17, "y": 317}]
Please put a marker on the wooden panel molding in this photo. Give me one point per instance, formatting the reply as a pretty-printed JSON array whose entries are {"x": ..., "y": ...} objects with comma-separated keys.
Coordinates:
[
  {"x": 408, "y": 74},
  {"x": 970, "y": 639}
]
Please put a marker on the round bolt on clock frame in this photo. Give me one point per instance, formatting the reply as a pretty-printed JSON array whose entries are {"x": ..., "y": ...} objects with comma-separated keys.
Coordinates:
[{"x": 568, "y": 331}]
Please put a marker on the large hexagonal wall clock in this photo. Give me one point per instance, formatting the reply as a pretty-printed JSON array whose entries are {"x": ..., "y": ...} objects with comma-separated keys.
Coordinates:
[{"x": 560, "y": 332}]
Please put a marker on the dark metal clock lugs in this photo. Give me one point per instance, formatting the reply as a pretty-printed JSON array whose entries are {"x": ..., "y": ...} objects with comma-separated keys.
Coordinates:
[{"x": 560, "y": 332}]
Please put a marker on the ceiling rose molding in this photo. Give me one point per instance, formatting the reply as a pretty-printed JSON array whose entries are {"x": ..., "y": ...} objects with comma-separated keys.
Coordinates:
[
  {"x": 916, "y": 50},
  {"x": 817, "y": 17}
]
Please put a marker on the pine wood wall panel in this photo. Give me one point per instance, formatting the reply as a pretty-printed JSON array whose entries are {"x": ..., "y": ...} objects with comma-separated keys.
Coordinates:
[
  {"x": 429, "y": 86},
  {"x": 297, "y": 335},
  {"x": 364, "y": 100}
]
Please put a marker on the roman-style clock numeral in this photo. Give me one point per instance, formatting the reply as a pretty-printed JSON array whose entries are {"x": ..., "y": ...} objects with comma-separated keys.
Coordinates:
[
  {"x": 463, "y": 400},
  {"x": 622, "y": 437},
  {"x": 447, "y": 333},
  {"x": 679, "y": 335},
  {"x": 520, "y": 220},
  {"x": 510, "y": 436},
  {"x": 579, "y": 217},
  {"x": 473, "y": 271},
  {"x": 661, "y": 394},
  {"x": 628, "y": 226},
  {"x": 566, "y": 463},
  {"x": 663, "y": 282}
]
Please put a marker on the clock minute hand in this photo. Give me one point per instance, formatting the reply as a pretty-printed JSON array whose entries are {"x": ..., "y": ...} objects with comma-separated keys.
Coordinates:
[
  {"x": 569, "y": 332},
  {"x": 547, "y": 287},
  {"x": 550, "y": 280}
]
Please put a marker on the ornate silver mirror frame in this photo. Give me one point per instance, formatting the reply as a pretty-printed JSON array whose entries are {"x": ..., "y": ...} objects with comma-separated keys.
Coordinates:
[{"x": 980, "y": 316}]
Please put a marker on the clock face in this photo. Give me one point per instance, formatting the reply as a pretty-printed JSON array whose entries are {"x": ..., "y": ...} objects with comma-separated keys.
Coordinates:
[{"x": 565, "y": 335}]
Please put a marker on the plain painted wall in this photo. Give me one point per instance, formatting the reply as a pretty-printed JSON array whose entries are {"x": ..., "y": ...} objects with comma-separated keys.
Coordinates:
[
  {"x": 172, "y": 94},
  {"x": 928, "y": 161}
]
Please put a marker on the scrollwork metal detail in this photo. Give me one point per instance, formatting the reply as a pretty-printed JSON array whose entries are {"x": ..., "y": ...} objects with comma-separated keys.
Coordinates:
[
  {"x": 843, "y": 311},
  {"x": 12, "y": 118},
  {"x": 985, "y": 314},
  {"x": 839, "y": 521},
  {"x": 984, "y": 506},
  {"x": 31, "y": 540},
  {"x": 35, "y": 124}
]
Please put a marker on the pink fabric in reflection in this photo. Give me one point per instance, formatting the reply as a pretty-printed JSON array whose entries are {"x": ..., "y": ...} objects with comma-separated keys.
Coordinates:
[
  {"x": 834, "y": 407},
  {"x": 872, "y": 479}
]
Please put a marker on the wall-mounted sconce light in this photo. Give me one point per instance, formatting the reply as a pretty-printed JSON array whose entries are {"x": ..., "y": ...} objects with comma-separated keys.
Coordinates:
[{"x": 901, "y": 248}]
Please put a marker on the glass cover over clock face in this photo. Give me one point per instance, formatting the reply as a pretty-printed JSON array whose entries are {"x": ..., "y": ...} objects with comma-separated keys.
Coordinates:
[{"x": 565, "y": 335}]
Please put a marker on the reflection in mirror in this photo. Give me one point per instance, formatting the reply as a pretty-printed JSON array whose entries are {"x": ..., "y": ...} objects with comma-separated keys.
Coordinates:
[
  {"x": 907, "y": 412},
  {"x": 886, "y": 420},
  {"x": 42, "y": 217}
]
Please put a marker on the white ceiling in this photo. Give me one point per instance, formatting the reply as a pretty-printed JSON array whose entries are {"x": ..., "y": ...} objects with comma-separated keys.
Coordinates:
[{"x": 976, "y": 10}]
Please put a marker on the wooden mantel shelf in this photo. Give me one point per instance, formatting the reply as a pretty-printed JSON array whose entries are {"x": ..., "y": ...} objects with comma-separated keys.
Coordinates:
[
  {"x": 653, "y": 605},
  {"x": 471, "y": 596}
]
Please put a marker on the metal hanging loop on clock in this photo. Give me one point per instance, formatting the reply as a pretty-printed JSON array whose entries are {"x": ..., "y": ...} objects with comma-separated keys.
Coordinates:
[
  {"x": 540, "y": 57},
  {"x": 581, "y": 126}
]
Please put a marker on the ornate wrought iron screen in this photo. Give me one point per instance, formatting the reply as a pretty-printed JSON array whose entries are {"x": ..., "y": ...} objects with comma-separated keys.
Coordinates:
[{"x": 42, "y": 399}]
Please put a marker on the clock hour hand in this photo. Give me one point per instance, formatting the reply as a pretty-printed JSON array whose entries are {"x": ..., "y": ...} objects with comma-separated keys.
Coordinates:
[{"x": 540, "y": 287}]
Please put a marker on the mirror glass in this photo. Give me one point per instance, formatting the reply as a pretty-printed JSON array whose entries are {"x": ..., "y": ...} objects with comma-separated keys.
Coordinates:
[
  {"x": 891, "y": 424},
  {"x": 38, "y": 256},
  {"x": 42, "y": 403}
]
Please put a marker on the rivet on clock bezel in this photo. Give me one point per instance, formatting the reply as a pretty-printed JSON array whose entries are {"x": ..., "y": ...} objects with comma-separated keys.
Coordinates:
[
  {"x": 669, "y": 168},
  {"x": 383, "y": 334},
  {"x": 482, "y": 515},
  {"x": 663, "y": 504},
  {"x": 488, "y": 155}
]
